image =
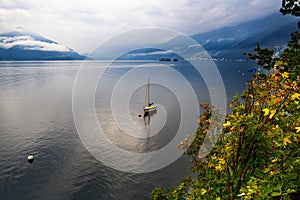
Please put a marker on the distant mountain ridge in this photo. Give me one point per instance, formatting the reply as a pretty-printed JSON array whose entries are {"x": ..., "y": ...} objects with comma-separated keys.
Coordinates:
[
  {"x": 229, "y": 43},
  {"x": 29, "y": 46}
]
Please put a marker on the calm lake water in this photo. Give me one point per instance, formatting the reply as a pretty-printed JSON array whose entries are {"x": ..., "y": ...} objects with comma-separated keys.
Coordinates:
[{"x": 36, "y": 118}]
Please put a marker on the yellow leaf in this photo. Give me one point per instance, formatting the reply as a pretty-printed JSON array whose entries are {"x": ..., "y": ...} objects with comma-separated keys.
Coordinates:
[
  {"x": 272, "y": 173},
  {"x": 218, "y": 167},
  {"x": 286, "y": 140},
  {"x": 274, "y": 160},
  {"x": 285, "y": 75},
  {"x": 242, "y": 194},
  {"x": 297, "y": 129},
  {"x": 266, "y": 111},
  {"x": 203, "y": 191},
  {"x": 272, "y": 113},
  {"x": 279, "y": 63},
  {"x": 295, "y": 96},
  {"x": 211, "y": 165},
  {"x": 266, "y": 170},
  {"x": 227, "y": 124},
  {"x": 222, "y": 161},
  {"x": 228, "y": 148},
  {"x": 270, "y": 133},
  {"x": 286, "y": 86},
  {"x": 277, "y": 100}
]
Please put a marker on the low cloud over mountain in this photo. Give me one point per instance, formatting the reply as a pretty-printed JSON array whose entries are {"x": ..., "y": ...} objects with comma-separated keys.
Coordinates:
[
  {"x": 29, "y": 43},
  {"x": 26, "y": 46}
]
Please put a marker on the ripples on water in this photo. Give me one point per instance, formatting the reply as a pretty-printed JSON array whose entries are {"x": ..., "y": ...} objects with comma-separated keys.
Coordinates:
[{"x": 36, "y": 117}]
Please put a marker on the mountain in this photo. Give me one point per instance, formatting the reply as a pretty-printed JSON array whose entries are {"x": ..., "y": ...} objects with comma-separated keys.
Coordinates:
[
  {"x": 148, "y": 54},
  {"x": 28, "y": 46},
  {"x": 226, "y": 43},
  {"x": 231, "y": 42}
]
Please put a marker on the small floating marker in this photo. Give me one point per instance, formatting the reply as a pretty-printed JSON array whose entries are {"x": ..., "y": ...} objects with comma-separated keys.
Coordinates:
[
  {"x": 139, "y": 115},
  {"x": 30, "y": 158},
  {"x": 175, "y": 89}
]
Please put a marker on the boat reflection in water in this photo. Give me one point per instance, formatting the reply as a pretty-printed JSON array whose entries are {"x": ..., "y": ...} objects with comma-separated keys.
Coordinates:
[{"x": 148, "y": 115}]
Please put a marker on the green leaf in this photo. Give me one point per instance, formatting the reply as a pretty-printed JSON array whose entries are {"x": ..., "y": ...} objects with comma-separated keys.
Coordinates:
[{"x": 275, "y": 194}]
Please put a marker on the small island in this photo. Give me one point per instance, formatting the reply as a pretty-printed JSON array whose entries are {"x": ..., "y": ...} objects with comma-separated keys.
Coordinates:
[{"x": 168, "y": 60}]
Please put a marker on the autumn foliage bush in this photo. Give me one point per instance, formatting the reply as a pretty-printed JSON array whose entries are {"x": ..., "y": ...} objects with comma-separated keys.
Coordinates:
[{"x": 256, "y": 152}]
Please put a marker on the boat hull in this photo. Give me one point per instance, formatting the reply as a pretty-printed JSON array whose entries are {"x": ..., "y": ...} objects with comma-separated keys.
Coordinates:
[{"x": 150, "y": 108}]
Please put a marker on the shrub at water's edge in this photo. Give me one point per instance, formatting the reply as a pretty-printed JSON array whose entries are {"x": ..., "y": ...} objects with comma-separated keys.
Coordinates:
[{"x": 257, "y": 154}]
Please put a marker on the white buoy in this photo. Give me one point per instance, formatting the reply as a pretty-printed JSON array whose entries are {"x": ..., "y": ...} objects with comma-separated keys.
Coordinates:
[{"x": 30, "y": 158}]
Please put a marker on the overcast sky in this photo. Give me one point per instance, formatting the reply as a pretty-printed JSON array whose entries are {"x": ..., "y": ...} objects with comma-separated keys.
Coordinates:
[{"x": 81, "y": 25}]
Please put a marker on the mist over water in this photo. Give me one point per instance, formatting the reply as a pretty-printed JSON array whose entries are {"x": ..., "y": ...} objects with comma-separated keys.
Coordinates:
[{"x": 36, "y": 118}]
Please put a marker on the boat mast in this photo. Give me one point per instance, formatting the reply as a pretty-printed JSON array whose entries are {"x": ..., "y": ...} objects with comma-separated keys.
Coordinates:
[
  {"x": 148, "y": 90},
  {"x": 146, "y": 96}
]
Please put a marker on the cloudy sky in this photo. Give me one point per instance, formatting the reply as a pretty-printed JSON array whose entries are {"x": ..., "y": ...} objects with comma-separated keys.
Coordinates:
[{"x": 82, "y": 25}]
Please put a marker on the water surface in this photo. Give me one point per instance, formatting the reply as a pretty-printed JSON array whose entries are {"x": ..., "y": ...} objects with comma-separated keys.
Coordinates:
[{"x": 36, "y": 118}]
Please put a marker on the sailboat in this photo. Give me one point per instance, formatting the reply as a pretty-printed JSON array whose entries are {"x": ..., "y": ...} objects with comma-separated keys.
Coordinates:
[{"x": 148, "y": 106}]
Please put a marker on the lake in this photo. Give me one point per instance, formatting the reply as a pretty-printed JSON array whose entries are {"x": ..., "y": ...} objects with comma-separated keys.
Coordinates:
[{"x": 37, "y": 117}]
